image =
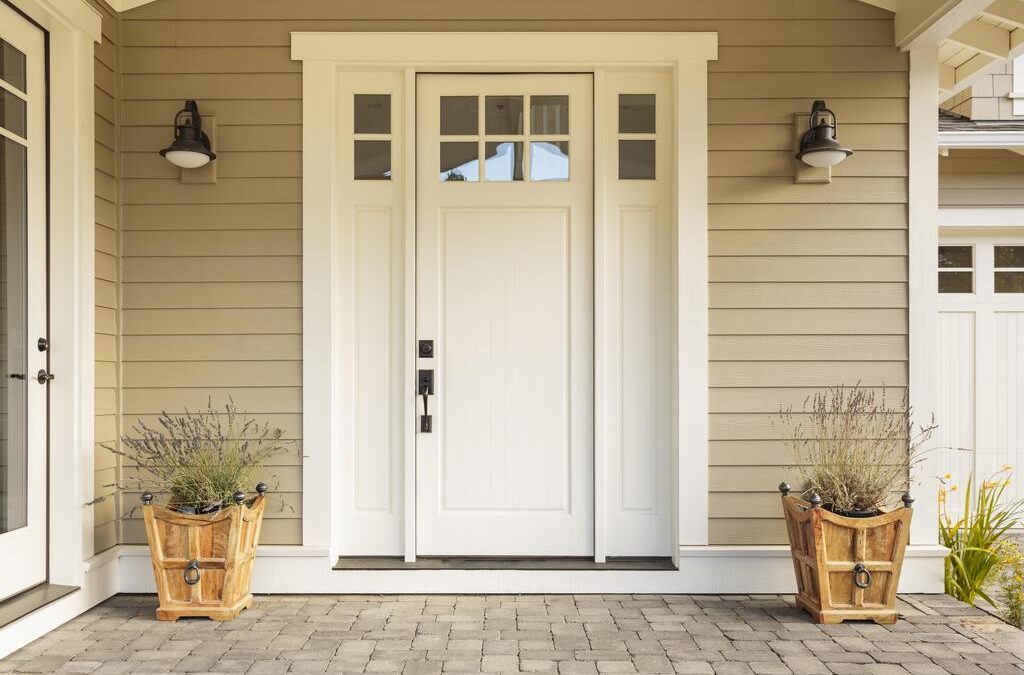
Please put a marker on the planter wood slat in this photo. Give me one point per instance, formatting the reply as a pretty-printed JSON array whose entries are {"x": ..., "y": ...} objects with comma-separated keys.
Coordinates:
[
  {"x": 213, "y": 551},
  {"x": 832, "y": 553}
]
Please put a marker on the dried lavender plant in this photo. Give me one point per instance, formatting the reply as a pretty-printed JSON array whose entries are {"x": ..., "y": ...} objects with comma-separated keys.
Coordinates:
[
  {"x": 200, "y": 458},
  {"x": 854, "y": 447}
]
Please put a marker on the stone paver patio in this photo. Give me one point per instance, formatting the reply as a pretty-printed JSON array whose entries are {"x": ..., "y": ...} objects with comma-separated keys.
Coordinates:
[{"x": 690, "y": 635}]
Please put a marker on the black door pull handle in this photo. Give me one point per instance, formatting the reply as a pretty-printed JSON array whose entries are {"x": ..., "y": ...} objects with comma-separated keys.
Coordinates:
[{"x": 425, "y": 389}]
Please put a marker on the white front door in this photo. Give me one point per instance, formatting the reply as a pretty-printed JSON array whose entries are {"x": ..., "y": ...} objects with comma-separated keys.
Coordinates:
[
  {"x": 504, "y": 288},
  {"x": 23, "y": 300}
]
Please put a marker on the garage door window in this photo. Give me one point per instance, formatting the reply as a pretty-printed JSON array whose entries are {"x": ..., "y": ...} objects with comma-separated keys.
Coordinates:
[
  {"x": 1009, "y": 269},
  {"x": 956, "y": 269}
]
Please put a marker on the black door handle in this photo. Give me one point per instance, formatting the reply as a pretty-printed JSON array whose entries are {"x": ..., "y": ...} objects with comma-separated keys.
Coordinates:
[
  {"x": 425, "y": 388},
  {"x": 17, "y": 376},
  {"x": 42, "y": 377}
]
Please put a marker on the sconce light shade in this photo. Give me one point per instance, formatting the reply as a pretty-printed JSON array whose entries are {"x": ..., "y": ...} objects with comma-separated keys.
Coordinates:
[
  {"x": 818, "y": 146},
  {"x": 191, "y": 146}
]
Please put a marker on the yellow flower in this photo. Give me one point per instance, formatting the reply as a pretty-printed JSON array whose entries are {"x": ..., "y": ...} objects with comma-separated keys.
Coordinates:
[{"x": 953, "y": 488}]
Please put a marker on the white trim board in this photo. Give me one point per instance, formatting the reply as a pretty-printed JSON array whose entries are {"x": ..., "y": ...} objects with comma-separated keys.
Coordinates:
[
  {"x": 324, "y": 55},
  {"x": 981, "y": 217},
  {"x": 702, "y": 570},
  {"x": 981, "y": 139}
]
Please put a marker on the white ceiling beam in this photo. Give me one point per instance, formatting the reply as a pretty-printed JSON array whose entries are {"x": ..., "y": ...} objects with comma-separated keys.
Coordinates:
[
  {"x": 928, "y": 22},
  {"x": 1009, "y": 11},
  {"x": 984, "y": 38}
]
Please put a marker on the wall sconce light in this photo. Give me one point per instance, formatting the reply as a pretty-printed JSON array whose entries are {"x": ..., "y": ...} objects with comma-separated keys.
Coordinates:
[
  {"x": 191, "y": 146},
  {"x": 818, "y": 145}
]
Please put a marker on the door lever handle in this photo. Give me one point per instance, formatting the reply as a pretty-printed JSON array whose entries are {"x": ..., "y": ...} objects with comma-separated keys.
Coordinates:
[
  {"x": 17, "y": 376},
  {"x": 425, "y": 389},
  {"x": 42, "y": 377}
]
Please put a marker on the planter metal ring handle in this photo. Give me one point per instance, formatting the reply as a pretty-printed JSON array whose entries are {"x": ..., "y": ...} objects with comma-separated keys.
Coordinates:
[
  {"x": 861, "y": 576},
  {"x": 192, "y": 572}
]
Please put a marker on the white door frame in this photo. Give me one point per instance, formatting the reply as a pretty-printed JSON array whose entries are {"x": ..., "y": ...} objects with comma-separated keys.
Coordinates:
[{"x": 684, "y": 55}]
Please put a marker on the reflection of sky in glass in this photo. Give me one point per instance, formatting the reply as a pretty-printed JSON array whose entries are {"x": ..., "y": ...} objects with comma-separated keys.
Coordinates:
[{"x": 549, "y": 161}]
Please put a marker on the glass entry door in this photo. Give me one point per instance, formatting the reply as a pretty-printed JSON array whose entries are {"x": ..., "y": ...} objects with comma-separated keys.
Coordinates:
[{"x": 23, "y": 304}]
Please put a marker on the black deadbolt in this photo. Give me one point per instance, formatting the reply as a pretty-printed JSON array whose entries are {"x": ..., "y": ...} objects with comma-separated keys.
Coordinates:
[{"x": 426, "y": 349}]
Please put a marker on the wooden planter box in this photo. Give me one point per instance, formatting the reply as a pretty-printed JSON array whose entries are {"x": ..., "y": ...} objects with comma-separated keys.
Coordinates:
[
  {"x": 846, "y": 568},
  {"x": 203, "y": 563}
]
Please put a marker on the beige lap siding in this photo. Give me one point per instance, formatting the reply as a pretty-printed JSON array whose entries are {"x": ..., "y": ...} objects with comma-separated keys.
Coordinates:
[
  {"x": 981, "y": 178},
  {"x": 808, "y": 281},
  {"x": 106, "y": 513}
]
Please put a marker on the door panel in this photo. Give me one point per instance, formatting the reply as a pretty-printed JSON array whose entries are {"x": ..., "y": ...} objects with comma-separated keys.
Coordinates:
[
  {"x": 22, "y": 303},
  {"x": 505, "y": 289}
]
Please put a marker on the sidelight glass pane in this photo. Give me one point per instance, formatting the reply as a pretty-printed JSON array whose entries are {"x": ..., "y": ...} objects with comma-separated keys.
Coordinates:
[
  {"x": 503, "y": 114},
  {"x": 460, "y": 115},
  {"x": 504, "y": 161},
  {"x": 460, "y": 161},
  {"x": 549, "y": 115},
  {"x": 12, "y": 113},
  {"x": 636, "y": 114},
  {"x": 549, "y": 160},
  {"x": 1009, "y": 256},
  {"x": 956, "y": 256},
  {"x": 372, "y": 160},
  {"x": 12, "y": 66},
  {"x": 13, "y": 228},
  {"x": 372, "y": 113},
  {"x": 636, "y": 160}
]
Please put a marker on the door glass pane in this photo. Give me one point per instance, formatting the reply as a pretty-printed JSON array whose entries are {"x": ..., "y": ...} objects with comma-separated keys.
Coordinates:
[
  {"x": 504, "y": 161},
  {"x": 12, "y": 66},
  {"x": 459, "y": 115},
  {"x": 549, "y": 160},
  {"x": 372, "y": 113},
  {"x": 13, "y": 226},
  {"x": 12, "y": 113},
  {"x": 372, "y": 160},
  {"x": 503, "y": 114},
  {"x": 459, "y": 161},
  {"x": 956, "y": 256},
  {"x": 636, "y": 114},
  {"x": 549, "y": 115}
]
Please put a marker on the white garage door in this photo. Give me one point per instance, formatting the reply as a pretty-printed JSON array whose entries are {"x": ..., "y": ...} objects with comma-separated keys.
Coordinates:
[{"x": 981, "y": 351}]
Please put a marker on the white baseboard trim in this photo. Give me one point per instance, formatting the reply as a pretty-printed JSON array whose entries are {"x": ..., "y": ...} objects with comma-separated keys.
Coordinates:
[
  {"x": 101, "y": 582},
  {"x": 705, "y": 569}
]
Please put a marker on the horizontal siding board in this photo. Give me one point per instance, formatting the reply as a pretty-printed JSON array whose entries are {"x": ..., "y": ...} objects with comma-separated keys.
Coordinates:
[
  {"x": 808, "y": 85},
  {"x": 224, "y": 321},
  {"x": 782, "y": 190},
  {"x": 252, "y": 400},
  {"x": 236, "y": 268},
  {"x": 212, "y": 374},
  {"x": 770, "y": 399},
  {"x": 809, "y": 295},
  {"x": 212, "y": 348},
  {"x": 807, "y": 217},
  {"x": 230, "y": 138},
  {"x": 807, "y": 268},
  {"x": 746, "y": 531},
  {"x": 218, "y": 243},
  {"x": 788, "y": 242},
  {"x": 806, "y": 373},
  {"x": 211, "y": 295},
  {"x": 214, "y": 216},
  {"x": 808, "y": 347},
  {"x": 818, "y": 58},
  {"x": 808, "y": 322}
]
